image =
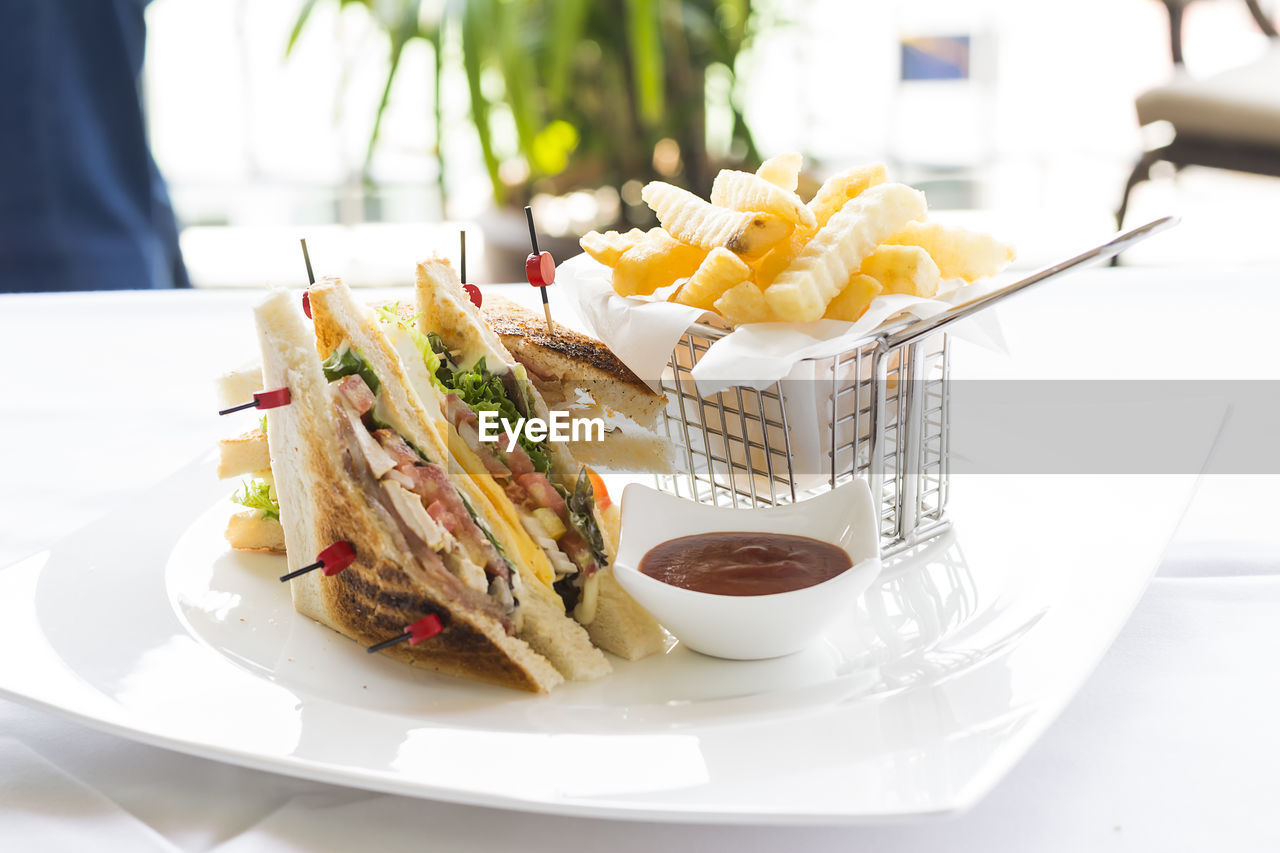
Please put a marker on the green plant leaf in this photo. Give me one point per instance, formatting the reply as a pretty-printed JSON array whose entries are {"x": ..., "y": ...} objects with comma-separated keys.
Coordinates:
[
  {"x": 476, "y": 15},
  {"x": 567, "y": 20},
  {"x": 402, "y": 30},
  {"x": 437, "y": 108},
  {"x": 520, "y": 74},
  {"x": 644, "y": 41},
  {"x": 303, "y": 14}
]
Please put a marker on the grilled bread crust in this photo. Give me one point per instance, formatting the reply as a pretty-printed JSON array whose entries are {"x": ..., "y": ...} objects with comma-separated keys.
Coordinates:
[
  {"x": 573, "y": 359},
  {"x": 387, "y": 587}
]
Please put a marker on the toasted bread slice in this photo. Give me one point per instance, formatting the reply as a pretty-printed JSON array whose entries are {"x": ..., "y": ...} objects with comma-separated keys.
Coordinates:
[
  {"x": 626, "y": 449},
  {"x": 623, "y": 627},
  {"x": 247, "y": 453},
  {"x": 572, "y": 360},
  {"x": 249, "y": 531},
  {"x": 237, "y": 386},
  {"x": 339, "y": 318},
  {"x": 391, "y": 583}
]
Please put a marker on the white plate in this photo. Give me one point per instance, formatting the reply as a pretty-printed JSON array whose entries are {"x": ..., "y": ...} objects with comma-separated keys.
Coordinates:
[{"x": 147, "y": 626}]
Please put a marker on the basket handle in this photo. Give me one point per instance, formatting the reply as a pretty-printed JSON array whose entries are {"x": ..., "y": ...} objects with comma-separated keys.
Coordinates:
[{"x": 1109, "y": 249}]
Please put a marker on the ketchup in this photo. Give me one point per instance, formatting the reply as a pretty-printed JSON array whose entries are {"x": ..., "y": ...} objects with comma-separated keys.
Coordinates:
[{"x": 744, "y": 563}]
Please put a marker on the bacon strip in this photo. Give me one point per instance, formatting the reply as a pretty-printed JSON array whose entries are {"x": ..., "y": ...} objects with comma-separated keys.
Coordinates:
[
  {"x": 379, "y": 462},
  {"x": 443, "y": 517},
  {"x": 458, "y": 411},
  {"x": 519, "y": 462},
  {"x": 356, "y": 391},
  {"x": 431, "y": 483},
  {"x": 543, "y": 494},
  {"x": 397, "y": 448},
  {"x": 466, "y": 423}
]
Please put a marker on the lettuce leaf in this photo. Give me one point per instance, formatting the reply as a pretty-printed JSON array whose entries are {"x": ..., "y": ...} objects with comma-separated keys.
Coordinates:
[
  {"x": 390, "y": 314},
  {"x": 484, "y": 528},
  {"x": 347, "y": 361},
  {"x": 482, "y": 391},
  {"x": 582, "y": 504},
  {"x": 257, "y": 494}
]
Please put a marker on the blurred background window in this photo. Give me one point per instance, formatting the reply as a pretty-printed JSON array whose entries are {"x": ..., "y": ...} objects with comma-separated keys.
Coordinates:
[{"x": 367, "y": 124}]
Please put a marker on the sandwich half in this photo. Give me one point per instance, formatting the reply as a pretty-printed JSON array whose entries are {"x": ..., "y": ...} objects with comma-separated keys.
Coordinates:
[
  {"x": 354, "y": 461},
  {"x": 345, "y": 328},
  {"x": 538, "y": 486}
]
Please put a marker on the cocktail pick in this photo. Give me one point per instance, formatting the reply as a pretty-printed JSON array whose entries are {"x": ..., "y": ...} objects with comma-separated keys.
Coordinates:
[
  {"x": 331, "y": 560},
  {"x": 417, "y": 632},
  {"x": 311, "y": 279},
  {"x": 539, "y": 268},
  {"x": 472, "y": 291},
  {"x": 262, "y": 400}
]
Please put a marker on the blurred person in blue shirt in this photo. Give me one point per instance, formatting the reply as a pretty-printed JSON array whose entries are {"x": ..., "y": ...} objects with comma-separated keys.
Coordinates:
[{"x": 82, "y": 204}]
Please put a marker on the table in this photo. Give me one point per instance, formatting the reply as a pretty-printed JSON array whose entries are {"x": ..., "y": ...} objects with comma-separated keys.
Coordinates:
[{"x": 1172, "y": 744}]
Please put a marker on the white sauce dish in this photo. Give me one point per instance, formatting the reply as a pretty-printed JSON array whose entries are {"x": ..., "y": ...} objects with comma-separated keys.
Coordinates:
[{"x": 749, "y": 627}]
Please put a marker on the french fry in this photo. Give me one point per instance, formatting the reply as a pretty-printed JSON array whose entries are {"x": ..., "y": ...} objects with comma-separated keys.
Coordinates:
[
  {"x": 747, "y": 192},
  {"x": 782, "y": 171},
  {"x": 656, "y": 261},
  {"x": 744, "y": 303},
  {"x": 958, "y": 253},
  {"x": 692, "y": 220},
  {"x": 607, "y": 248},
  {"x": 841, "y": 187},
  {"x": 719, "y": 271},
  {"x": 903, "y": 269},
  {"x": 780, "y": 256},
  {"x": 852, "y": 302},
  {"x": 802, "y": 291}
]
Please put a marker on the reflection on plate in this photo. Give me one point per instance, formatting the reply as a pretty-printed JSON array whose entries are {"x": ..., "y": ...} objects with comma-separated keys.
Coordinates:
[{"x": 930, "y": 688}]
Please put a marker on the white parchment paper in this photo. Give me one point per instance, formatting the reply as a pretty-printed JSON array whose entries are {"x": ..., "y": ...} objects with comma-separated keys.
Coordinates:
[{"x": 643, "y": 331}]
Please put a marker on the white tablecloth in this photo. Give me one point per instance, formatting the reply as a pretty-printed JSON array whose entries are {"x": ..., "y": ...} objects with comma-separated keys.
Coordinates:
[{"x": 1174, "y": 743}]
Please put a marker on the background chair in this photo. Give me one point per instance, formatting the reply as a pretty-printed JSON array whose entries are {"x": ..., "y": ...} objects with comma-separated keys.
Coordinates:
[{"x": 1228, "y": 121}]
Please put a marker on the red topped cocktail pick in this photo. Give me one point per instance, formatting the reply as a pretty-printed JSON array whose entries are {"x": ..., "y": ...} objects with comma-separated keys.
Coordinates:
[
  {"x": 422, "y": 630},
  {"x": 331, "y": 560},
  {"x": 473, "y": 292},
  {"x": 311, "y": 279},
  {"x": 539, "y": 268},
  {"x": 262, "y": 400}
]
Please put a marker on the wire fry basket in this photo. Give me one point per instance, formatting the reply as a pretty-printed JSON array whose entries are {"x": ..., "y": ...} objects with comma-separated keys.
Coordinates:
[
  {"x": 879, "y": 411},
  {"x": 872, "y": 411}
]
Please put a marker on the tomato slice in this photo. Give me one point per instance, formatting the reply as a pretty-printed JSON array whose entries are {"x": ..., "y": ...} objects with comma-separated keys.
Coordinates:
[{"x": 598, "y": 490}]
